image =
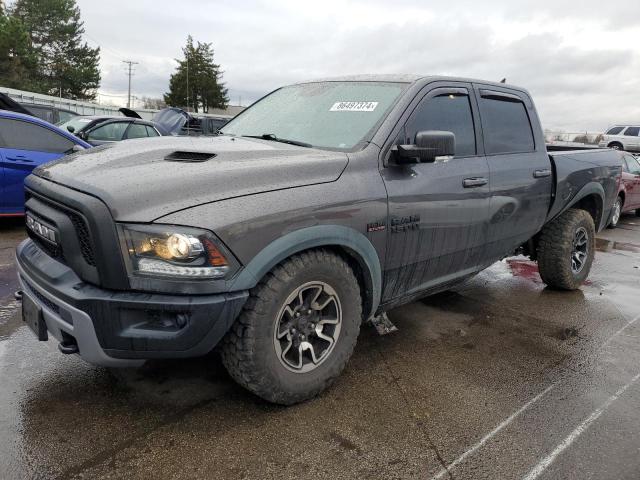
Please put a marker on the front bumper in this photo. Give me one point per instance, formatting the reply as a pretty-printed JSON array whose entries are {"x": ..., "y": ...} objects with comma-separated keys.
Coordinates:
[{"x": 119, "y": 328}]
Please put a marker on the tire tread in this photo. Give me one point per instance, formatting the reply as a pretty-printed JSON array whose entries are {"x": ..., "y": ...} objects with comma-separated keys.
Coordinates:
[
  {"x": 238, "y": 344},
  {"x": 554, "y": 246}
]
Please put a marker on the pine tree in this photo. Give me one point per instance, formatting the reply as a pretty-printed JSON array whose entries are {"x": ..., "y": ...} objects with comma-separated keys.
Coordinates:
[
  {"x": 67, "y": 66},
  {"x": 18, "y": 64},
  {"x": 203, "y": 77}
]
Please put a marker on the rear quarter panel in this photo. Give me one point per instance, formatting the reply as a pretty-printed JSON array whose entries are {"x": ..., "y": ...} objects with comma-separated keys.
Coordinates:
[{"x": 577, "y": 171}]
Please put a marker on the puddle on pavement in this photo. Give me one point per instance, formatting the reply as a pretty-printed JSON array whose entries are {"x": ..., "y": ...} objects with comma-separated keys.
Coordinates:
[
  {"x": 524, "y": 268},
  {"x": 604, "y": 245},
  {"x": 529, "y": 269},
  {"x": 8, "y": 310}
]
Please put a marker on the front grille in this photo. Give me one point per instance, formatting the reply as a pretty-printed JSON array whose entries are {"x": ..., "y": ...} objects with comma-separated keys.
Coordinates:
[
  {"x": 85, "y": 232},
  {"x": 83, "y": 237},
  {"x": 80, "y": 227},
  {"x": 52, "y": 250}
]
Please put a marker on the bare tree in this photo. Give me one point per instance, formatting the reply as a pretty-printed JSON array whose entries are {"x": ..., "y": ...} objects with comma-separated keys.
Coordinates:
[{"x": 153, "y": 103}]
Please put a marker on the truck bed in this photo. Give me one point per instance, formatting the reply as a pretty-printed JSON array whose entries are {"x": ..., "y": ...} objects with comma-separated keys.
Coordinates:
[{"x": 580, "y": 169}]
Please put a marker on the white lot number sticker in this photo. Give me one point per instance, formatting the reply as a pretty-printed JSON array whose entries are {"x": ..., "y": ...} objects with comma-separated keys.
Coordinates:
[{"x": 353, "y": 107}]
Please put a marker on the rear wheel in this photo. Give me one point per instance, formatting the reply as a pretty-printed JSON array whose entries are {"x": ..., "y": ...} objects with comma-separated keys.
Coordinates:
[
  {"x": 616, "y": 213},
  {"x": 297, "y": 330},
  {"x": 566, "y": 249},
  {"x": 615, "y": 146}
]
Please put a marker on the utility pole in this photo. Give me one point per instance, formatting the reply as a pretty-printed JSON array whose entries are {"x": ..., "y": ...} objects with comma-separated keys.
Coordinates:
[
  {"x": 130, "y": 65},
  {"x": 187, "y": 80}
]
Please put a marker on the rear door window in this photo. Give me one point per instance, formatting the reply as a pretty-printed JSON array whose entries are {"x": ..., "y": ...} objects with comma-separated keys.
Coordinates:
[
  {"x": 111, "y": 132},
  {"x": 151, "y": 132},
  {"x": 632, "y": 132},
  {"x": 634, "y": 165},
  {"x": 505, "y": 125},
  {"x": 615, "y": 130},
  {"x": 21, "y": 135},
  {"x": 64, "y": 116},
  {"x": 447, "y": 112},
  {"x": 137, "y": 131}
]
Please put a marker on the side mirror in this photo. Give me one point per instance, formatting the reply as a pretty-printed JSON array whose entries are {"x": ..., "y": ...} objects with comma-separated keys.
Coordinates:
[
  {"x": 430, "y": 144},
  {"x": 71, "y": 128}
]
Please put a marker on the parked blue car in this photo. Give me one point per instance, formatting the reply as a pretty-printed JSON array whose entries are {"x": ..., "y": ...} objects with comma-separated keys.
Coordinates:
[{"x": 25, "y": 143}]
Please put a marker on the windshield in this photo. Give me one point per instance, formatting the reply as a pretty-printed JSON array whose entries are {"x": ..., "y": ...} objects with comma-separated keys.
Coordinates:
[
  {"x": 336, "y": 115},
  {"x": 78, "y": 123}
]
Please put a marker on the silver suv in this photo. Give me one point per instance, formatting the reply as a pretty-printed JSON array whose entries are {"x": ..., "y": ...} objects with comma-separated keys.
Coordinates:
[{"x": 622, "y": 137}]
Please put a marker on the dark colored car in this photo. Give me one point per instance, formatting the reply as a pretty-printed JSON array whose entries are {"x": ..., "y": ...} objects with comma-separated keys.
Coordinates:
[
  {"x": 213, "y": 125},
  {"x": 321, "y": 206},
  {"x": 629, "y": 192},
  {"x": 98, "y": 130},
  {"x": 49, "y": 113},
  {"x": 176, "y": 121},
  {"x": 25, "y": 143}
]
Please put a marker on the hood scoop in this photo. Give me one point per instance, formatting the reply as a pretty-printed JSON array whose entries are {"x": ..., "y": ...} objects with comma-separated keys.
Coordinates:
[{"x": 192, "y": 157}]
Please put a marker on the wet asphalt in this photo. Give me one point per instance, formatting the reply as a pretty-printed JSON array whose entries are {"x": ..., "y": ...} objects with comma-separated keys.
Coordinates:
[{"x": 499, "y": 379}]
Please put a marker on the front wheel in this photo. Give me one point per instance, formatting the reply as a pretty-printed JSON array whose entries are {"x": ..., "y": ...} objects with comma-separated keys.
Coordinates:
[
  {"x": 616, "y": 213},
  {"x": 297, "y": 330},
  {"x": 566, "y": 249}
]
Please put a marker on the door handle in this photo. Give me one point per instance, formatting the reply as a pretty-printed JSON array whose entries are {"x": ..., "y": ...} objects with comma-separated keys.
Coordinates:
[
  {"x": 542, "y": 173},
  {"x": 474, "y": 182}
]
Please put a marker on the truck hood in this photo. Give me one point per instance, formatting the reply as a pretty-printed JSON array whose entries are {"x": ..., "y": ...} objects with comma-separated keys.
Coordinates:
[{"x": 139, "y": 184}]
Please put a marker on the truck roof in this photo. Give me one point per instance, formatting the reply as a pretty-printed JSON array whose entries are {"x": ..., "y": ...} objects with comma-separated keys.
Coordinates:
[{"x": 405, "y": 78}]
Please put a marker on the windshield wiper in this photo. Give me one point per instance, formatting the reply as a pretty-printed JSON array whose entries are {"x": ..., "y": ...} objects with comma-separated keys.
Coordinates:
[{"x": 273, "y": 138}]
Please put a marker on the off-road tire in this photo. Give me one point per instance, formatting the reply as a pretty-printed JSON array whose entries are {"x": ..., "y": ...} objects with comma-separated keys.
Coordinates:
[
  {"x": 555, "y": 247},
  {"x": 614, "y": 221},
  {"x": 248, "y": 351}
]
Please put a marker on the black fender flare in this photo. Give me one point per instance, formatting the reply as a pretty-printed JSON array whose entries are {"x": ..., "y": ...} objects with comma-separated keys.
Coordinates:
[
  {"x": 358, "y": 246},
  {"x": 591, "y": 188}
]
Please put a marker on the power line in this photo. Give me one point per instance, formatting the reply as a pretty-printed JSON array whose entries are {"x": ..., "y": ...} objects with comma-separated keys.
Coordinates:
[
  {"x": 113, "y": 94},
  {"x": 130, "y": 65},
  {"x": 103, "y": 47}
]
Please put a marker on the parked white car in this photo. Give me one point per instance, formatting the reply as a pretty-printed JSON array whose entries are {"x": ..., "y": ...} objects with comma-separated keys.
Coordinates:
[{"x": 622, "y": 137}]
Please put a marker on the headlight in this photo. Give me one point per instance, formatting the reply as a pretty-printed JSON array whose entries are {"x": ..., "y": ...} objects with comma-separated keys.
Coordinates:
[{"x": 168, "y": 251}]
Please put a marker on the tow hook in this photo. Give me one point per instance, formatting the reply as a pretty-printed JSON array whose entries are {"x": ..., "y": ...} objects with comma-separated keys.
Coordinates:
[{"x": 68, "y": 347}]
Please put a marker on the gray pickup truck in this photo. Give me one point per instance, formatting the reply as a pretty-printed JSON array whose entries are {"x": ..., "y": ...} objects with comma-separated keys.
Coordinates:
[{"x": 323, "y": 205}]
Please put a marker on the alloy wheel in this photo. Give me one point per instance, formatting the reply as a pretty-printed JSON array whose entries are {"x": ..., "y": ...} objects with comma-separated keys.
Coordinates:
[
  {"x": 616, "y": 212},
  {"x": 580, "y": 250},
  {"x": 307, "y": 327}
]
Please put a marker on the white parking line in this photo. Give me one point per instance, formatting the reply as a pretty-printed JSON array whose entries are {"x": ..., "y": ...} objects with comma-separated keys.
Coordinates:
[
  {"x": 492, "y": 433},
  {"x": 566, "y": 443},
  {"x": 514, "y": 415},
  {"x": 629, "y": 323}
]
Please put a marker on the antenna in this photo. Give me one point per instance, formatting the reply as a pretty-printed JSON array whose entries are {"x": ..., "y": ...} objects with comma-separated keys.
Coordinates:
[{"x": 130, "y": 65}]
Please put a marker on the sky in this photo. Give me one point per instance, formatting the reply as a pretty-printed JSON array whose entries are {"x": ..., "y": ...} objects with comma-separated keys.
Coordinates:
[{"x": 579, "y": 60}]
